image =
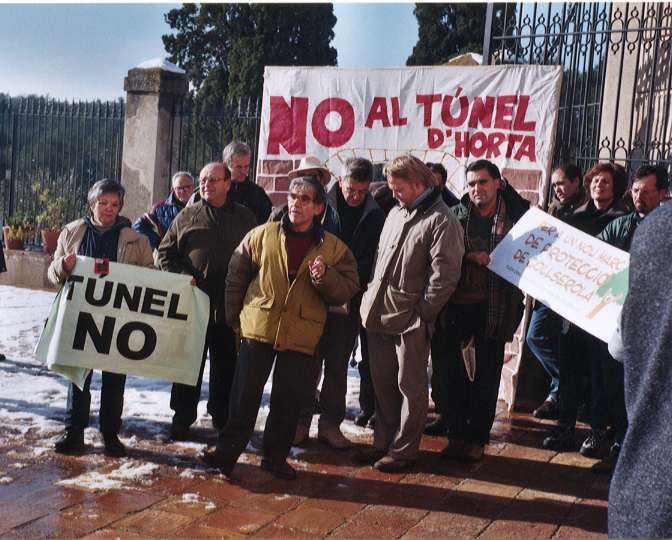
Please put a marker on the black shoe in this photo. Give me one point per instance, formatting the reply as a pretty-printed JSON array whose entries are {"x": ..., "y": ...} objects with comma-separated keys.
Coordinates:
[
  {"x": 436, "y": 428},
  {"x": 279, "y": 469},
  {"x": 179, "y": 432},
  {"x": 362, "y": 419},
  {"x": 596, "y": 444},
  {"x": 215, "y": 460},
  {"x": 368, "y": 456},
  {"x": 113, "y": 446},
  {"x": 71, "y": 443},
  {"x": 372, "y": 422},
  {"x": 607, "y": 464},
  {"x": 548, "y": 410},
  {"x": 561, "y": 439}
]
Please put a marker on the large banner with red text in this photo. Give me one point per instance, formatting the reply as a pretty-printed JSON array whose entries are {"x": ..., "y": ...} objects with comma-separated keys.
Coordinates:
[{"x": 447, "y": 114}]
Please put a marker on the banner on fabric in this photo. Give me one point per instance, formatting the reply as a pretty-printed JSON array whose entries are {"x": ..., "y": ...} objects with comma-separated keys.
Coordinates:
[
  {"x": 578, "y": 276},
  {"x": 133, "y": 320},
  {"x": 446, "y": 114}
]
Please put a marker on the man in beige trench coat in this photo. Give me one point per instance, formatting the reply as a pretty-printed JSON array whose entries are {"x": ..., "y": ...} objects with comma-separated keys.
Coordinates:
[{"x": 416, "y": 270}]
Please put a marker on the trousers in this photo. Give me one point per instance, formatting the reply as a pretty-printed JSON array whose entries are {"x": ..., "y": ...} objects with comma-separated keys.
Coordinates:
[{"x": 111, "y": 404}]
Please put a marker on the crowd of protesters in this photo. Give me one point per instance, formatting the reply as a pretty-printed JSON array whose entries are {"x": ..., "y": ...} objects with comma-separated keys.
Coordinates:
[{"x": 399, "y": 264}]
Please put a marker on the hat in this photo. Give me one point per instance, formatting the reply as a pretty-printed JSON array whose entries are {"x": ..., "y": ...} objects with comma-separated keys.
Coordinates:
[{"x": 311, "y": 166}]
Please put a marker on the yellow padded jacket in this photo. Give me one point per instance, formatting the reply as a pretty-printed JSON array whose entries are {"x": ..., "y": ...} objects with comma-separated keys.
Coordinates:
[{"x": 266, "y": 307}]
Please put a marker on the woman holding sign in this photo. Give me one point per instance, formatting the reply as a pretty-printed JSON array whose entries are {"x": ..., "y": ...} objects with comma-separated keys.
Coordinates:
[{"x": 106, "y": 236}]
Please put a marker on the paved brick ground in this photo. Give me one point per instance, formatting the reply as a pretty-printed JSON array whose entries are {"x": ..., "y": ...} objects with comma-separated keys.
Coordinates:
[{"x": 517, "y": 491}]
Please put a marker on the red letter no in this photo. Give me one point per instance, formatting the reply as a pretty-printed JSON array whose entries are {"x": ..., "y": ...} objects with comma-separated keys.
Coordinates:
[{"x": 287, "y": 125}]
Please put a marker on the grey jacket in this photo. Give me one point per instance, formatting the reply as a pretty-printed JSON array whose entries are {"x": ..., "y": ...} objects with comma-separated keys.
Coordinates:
[{"x": 417, "y": 268}]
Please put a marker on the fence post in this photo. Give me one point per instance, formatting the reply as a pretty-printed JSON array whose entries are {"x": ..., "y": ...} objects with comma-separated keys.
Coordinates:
[{"x": 152, "y": 89}]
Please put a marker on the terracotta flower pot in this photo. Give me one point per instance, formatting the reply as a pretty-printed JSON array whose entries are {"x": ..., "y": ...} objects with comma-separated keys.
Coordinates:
[
  {"x": 49, "y": 240},
  {"x": 11, "y": 244}
]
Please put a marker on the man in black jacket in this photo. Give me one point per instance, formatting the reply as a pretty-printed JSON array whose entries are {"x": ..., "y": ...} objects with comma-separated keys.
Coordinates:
[
  {"x": 359, "y": 225},
  {"x": 236, "y": 157}
]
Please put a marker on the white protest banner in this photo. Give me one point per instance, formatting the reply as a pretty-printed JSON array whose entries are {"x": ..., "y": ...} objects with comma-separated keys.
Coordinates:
[
  {"x": 578, "y": 276},
  {"x": 133, "y": 320},
  {"x": 444, "y": 114}
]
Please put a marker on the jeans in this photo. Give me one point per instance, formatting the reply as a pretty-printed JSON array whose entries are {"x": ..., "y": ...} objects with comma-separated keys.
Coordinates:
[{"x": 543, "y": 340}]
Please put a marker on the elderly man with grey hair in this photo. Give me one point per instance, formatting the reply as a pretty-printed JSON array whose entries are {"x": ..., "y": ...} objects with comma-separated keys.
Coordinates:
[
  {"x": 281, "y": 280},
  {"x": 155, "y": 223},
  {"x": 237, "y": 156}
]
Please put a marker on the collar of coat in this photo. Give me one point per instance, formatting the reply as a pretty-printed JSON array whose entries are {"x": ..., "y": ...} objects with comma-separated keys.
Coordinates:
[
  {"x": 370, "y": 204},
  {"x": 426, "y": 203},
  {"x": 317, "y": 229}
]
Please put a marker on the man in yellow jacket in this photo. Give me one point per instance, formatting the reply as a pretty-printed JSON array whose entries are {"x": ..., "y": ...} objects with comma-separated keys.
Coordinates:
[{"x": 281, "y": 280}]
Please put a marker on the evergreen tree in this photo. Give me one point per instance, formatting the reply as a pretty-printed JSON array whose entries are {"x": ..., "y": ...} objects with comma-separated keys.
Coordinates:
[
  {"x": 224, "y": 47},
  {"x": 447, "y": 30}
]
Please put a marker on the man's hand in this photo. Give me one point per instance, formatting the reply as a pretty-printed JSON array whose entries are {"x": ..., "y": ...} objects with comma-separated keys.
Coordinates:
[
  {"x": 69, "y": 262},
  {"x": 479, "y": 258},
  {"x": 317, "y": 267}
]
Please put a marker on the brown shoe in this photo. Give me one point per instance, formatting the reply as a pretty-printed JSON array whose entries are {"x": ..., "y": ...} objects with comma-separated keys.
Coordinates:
[
  {"x": 368, "y": 456},
  {"x": 548, "y": 410},
  {"x": 392, "y": 464},
  {"x": 333, "y": 437},
  {"x": 301, "y": 435},
  {"x": 454, "y": 450}
]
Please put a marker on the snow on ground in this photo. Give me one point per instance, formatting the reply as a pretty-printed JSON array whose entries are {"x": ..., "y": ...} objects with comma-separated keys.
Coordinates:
[{"x": 33, "y": 399}]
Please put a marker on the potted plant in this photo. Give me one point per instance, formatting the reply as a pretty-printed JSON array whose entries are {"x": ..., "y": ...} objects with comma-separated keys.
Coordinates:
[
  {"x": 16, "y": 230},
  {"x": 51, "y": 219}
]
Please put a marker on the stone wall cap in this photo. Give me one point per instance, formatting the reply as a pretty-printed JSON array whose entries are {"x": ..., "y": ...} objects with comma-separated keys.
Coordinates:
[{"x": 162, "y": 64}]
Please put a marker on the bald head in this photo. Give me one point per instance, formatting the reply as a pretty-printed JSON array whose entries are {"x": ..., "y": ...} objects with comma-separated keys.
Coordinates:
[{"x": 214, "y": 183}]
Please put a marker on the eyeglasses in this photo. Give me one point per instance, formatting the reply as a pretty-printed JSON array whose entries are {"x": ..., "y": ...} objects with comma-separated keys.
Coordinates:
[
  {"x": 182, "y": 188},
  {"x": 211, "y": 180},
  {"x": 347, "y": 191},
  {"x": 293, "y": 197}
]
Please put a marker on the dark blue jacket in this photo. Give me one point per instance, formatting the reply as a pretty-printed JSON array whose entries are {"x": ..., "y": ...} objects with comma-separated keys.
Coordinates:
[{"x": 155, "y": 223}]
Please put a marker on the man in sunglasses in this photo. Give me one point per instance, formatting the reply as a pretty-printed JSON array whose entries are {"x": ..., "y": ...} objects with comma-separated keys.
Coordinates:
[{"x": 281, "y": 280}]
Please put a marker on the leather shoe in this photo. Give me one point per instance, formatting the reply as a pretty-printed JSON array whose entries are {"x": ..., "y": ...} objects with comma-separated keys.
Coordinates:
[
  {"x": 436, "y": 428},
  {"x": 333, "y": 437},
  {"x": 454, "y": 450},
  {"x": 179, "y": 432},
  {"x": 279, "y": 469},
  {"x": 301, "y": 435},
  {"x": 548, "y": 410},
  {"x": 372, "y": 422},
  {"x": 561, "y": 439},
  {"x": 71, "y": 443},
  {"x": 362, "y": 419},
  {"x": 113, "y": 446},
  {"x": 215, "y": 460},
  {"x": 392, "y": 464},
  {"x": 368, "y": 456}
]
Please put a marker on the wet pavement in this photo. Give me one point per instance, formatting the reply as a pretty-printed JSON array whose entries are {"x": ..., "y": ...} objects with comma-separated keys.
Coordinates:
[{"x": 161, "y": 491}]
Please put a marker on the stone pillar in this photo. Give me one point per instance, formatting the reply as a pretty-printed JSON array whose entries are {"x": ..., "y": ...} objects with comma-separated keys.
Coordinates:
[{"x": 152, "y": 89}]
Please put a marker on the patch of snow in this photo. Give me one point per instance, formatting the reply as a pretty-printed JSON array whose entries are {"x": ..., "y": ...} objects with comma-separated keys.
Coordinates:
[
  {"x": 6, "y": 480},
  {"x": 115, "y": 479},
  {"x": 210, "y": 506},
  {"x": 161, "y": 63},
  {"x": 190, "y": 498}
]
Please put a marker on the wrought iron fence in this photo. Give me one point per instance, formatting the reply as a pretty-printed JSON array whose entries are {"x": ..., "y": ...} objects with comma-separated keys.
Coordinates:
[
  {"x": 200, "y": 133},
  {"x": 62, "y": 146},
  {"x": 617, "y": 85}
]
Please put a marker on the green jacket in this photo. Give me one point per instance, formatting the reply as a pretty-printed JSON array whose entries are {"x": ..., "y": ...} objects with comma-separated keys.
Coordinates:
[
  {"x": 620, "y": 231},
  {"x": 200, "y": 242},
  {"x": 262, "y": 302}
]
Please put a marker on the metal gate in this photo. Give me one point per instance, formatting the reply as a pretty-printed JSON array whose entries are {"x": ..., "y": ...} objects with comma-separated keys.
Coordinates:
[
  {"x": 62, "y": 146},
  {"x": 617, "y": 85},
  {"x": 199, "y": 134}
]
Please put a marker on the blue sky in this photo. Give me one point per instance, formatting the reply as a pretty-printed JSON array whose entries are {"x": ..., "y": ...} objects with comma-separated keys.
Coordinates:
[{"x": 84, "y": 51}]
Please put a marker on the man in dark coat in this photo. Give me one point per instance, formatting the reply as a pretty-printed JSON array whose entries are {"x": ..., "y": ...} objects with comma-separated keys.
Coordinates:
[
  {"x": 359, "y": 226},
  {"x": 483, "y": 307},
  {"x": 236, "y": 157},
  {"x": 155, "y": 223},
  {"x": 200, "y": 242}
]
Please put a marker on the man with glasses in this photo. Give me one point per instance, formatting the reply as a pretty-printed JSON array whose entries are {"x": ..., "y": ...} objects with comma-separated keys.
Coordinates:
[
  {"x": 200, "y": 242},
  {"x": 155, "y": 223},
  {"x": 281, "y": 280},
  {"x": 360, "y": 221}
]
